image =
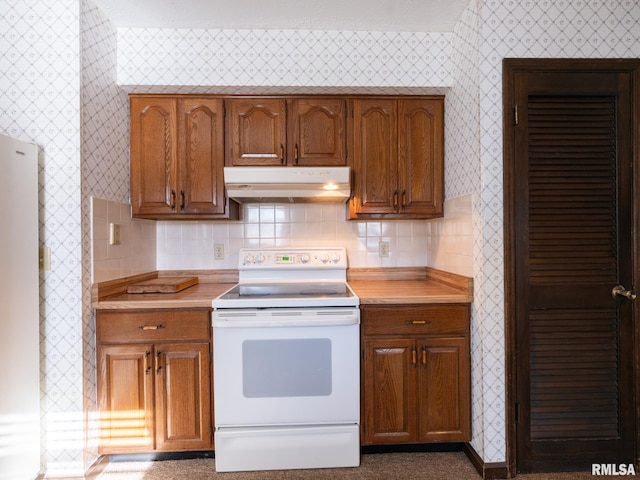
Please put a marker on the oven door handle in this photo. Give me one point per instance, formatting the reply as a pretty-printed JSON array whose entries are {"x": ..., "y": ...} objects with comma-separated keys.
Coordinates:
[{"x": 236, "y": 319}]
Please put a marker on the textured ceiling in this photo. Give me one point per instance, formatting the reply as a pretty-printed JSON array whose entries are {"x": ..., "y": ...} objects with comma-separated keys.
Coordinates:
[{"x": 353, "y": 15}]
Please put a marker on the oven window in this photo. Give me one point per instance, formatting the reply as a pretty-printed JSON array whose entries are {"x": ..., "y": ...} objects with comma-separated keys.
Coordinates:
[{"x": 286, "y": 368}]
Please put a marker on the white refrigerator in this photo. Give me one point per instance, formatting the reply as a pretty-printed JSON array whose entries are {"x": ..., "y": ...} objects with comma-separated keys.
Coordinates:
[{"x": 19, "y": 311}]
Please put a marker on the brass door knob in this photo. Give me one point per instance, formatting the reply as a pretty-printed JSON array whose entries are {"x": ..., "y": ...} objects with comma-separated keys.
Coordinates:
[{"x": 620, "y": 291}]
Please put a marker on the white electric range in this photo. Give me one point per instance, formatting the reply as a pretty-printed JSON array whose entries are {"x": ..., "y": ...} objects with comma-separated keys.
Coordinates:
[{"x": 287, "y": 363}]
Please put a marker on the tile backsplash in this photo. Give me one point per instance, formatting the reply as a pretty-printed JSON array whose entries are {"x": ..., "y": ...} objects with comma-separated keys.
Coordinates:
[
  {"x": 190, "y": 244},
  {"x": 147, "y": 245},
  {"x": 137, "y": 250},
  {"x": 449, "y": 241}
]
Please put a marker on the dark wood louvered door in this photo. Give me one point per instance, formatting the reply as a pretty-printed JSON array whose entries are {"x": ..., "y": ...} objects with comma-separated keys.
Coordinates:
[{"x": 569, "y": 183}]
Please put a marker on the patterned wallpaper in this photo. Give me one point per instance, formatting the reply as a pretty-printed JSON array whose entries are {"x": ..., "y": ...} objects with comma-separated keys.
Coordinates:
[
  {"x": 105, "y": 173},
  {"x": 531, "y": 29},
  {"x": 284, "y": 60},
  {"x": 78, "y": 118},
  {"x": 59, "y": 90},
  {"x": 40, "y": 101}
]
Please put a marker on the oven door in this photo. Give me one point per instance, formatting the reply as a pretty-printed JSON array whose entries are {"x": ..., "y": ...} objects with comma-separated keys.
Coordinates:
[{"x": 286, "y": 367}]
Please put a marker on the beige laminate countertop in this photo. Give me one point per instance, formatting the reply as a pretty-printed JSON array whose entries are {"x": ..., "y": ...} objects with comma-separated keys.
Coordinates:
[
  {"x": 378, "y": 292},
  {"x": 379, "y": 286},
  {"x": 197, "y": 296}
]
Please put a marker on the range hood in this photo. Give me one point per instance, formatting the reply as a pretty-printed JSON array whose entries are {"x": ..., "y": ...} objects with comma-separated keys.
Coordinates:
[{"x": 287, "y": 184}]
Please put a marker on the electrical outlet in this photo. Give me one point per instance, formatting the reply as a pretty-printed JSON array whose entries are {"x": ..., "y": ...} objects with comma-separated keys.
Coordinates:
[
  {"x": 114, "y": 234},
  {"x": 218, "y": 250},
  {"x": 383, "y": 249}
]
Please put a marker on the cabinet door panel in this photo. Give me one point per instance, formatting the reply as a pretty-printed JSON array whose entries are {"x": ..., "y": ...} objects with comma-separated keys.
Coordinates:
[
  {"x": 389, "y": 383},
  {"x": 421, "y": 156},
  {"x": 444, "y": 390},
  {"x": 318, "y": 129},
  {"x": 183, "y": 397},
  {"x": 153, "y": 155},
  {"x": 375, "y": 156},
  {"x": 256, "y": 132},
  {"x": 201, "y": 140},
  {"x": 125, "y": 398}
]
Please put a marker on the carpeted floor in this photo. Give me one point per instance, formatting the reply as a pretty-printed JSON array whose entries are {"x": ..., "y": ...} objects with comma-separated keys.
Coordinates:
[{"x": 387, "y": 466}]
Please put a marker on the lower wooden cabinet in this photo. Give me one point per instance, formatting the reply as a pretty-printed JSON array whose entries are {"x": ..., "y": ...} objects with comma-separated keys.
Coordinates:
[
  {"x": 416, "y": 381},
  {"x": 154, "y": 380}
]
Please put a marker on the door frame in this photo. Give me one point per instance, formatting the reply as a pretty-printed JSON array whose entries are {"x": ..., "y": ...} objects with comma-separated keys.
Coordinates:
[{"x": 511, "y": 66}]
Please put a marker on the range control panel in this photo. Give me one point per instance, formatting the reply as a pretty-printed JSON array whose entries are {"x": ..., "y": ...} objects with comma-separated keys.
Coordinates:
[{"x": 304, "y": 258}]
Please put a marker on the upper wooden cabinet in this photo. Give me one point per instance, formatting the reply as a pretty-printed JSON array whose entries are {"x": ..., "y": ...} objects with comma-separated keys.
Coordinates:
[
  {"x": 286, "y": 132},
  {"x": 177, "y": 156},
  {"x": 398, "y": 158}
]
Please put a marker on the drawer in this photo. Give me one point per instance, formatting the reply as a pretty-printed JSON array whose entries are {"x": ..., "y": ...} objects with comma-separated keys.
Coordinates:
[
  {"x": 415, "y": 319},
  {"x": 152, "y": 326}
]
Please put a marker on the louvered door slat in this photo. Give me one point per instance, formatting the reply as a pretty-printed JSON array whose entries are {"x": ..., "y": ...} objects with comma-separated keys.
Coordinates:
[
  {"x": 572, "y": 193},
  {"x": 572, "y": 241},
  {"x": 574, "y": 374}
]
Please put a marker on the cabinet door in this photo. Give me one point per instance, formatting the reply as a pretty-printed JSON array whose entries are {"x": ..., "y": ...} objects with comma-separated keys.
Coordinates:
[
  {"x": 256, "y": 131},
  {"x": 389, "y": 391},
  {"x": 153, "y": 155},
  {"x": 125, "y": 398},
  {"x": 201, "y": 153},
  {"x": 183, "y": 396},
  {"x": 318, "y": 132},
  {"x": 444, "y": 390},
  {"x": 375, "y": 157},
  {"x": 421, "y": 156}
]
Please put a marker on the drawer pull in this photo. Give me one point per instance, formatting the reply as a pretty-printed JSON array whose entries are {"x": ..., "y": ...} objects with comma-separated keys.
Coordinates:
[
  {"x": 419, "y": 322},
  {"x": 414, "y": 359},
  {"x": 151, "y": 327}
]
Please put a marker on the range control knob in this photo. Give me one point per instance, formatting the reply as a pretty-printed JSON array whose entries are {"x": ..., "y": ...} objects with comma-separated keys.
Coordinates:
[
  {"x": 249, "y": 258},
  {"x": 304, "y": 258},
  {"x": 335, "y": 258},
  {"x": 260, "y": 258},
  {"x": 324, "y": 258}
]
